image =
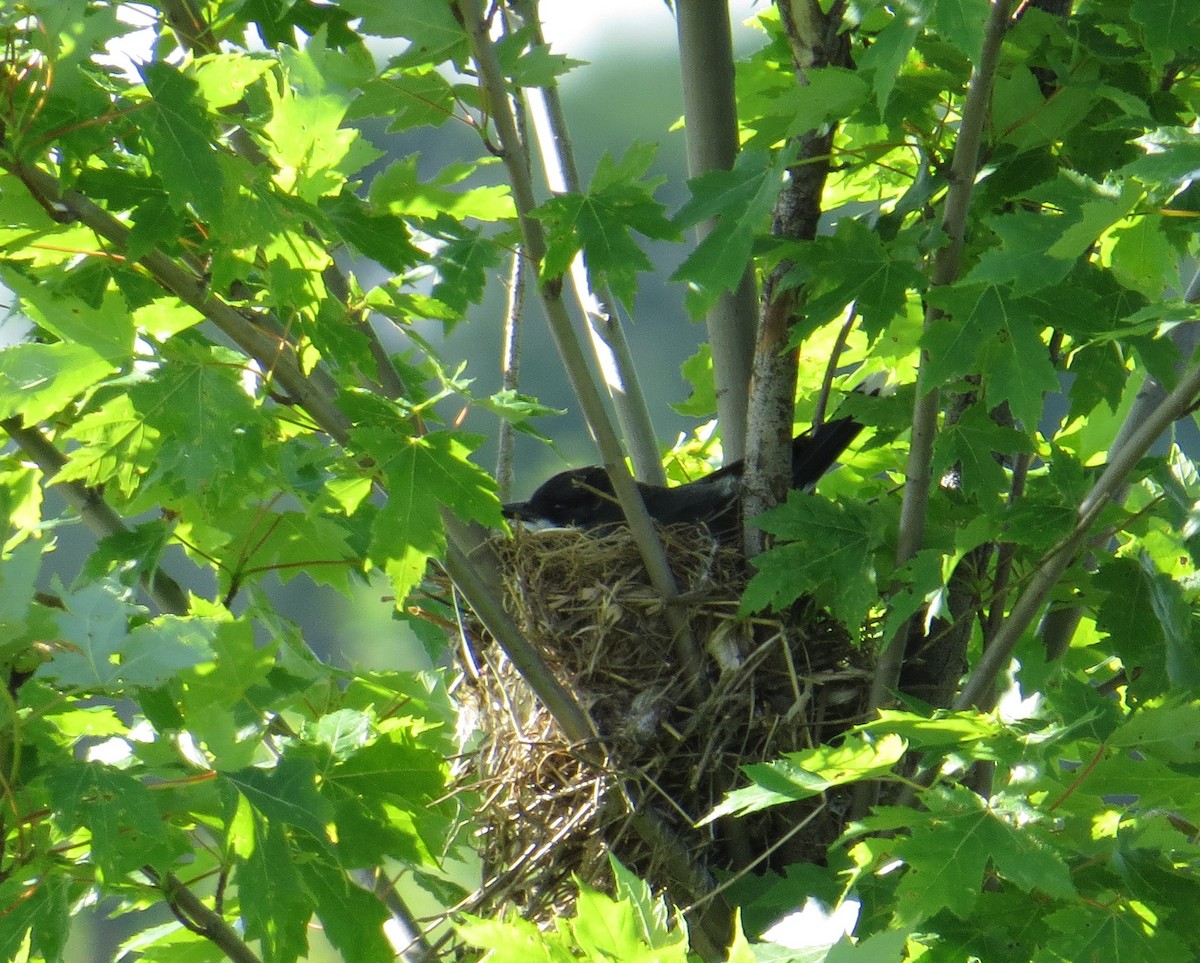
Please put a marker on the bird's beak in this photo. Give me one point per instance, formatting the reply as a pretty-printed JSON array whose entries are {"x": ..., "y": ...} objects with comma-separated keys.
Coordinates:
[{"x": 520, "y": 515}]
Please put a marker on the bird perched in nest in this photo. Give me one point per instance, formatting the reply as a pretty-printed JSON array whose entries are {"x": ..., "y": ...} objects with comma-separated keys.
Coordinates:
[{"x": 584, "y": 498}]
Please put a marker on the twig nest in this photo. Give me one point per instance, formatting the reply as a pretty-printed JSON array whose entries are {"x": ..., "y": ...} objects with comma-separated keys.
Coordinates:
[{"x": 771, "y": 685}]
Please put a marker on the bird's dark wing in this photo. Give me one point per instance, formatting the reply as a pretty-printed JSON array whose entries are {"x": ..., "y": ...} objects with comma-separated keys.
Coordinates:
[
  {"x": 714, "y": 501},
  {"x": 813, "y": 454}
]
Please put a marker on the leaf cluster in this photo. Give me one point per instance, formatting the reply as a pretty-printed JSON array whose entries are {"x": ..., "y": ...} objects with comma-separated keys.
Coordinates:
[{"x": 222, "y": 289}]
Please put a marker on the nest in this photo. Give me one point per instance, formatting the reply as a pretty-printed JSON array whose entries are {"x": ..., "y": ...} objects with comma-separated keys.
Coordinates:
[{"x": 551, "y": 812}]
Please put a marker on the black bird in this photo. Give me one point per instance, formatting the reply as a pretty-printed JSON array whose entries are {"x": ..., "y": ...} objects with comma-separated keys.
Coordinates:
[{"x": 583, "y": 497}]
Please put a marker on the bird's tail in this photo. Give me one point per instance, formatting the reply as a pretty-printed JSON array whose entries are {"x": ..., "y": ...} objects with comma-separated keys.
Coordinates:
[{"x": 815, "y": 451}]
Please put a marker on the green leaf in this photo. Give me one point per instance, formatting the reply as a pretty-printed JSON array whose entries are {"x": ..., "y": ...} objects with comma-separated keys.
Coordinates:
[
  {"x": 273, "y": 899},
  {"x": 165, "y": 317},
  {"x": 1018, "y": 370},
  {"x": 423, "y": 474},
  {"x": 742, "y": 200},
  {"x": 799, "y": 775},
  {"x": 827, "y": 554},
  {"x": 19, "y": 569},
  {"x": 608, "y": 929},
  {"x": 142, "y": 545},
  {"x": 828, "y": 94},
  {"x": 653, "y": 912},
  {"x": 1143, "y": 257},
  {"x": 113, "y": 450},
  {"x": 401, "y": 189},
  {"x": 885, "y": 57},
  {"x": 960, "y": 22},
  {"x": 407, "y": 772},
  {"x": 127, "y": 828},
  {"x": 1143, "y": 614},
  {"x": 887, "y": 947},
  {"x": 1023, "y": 259},
  {"x": 697, "y": 371},
  {"x": 430, "y": 26},
  {"x": 209, "y": 429},
  {"x": 225, "y": 703},
  {"x": 1026, "y": 120},
  {"x": 1101, "y": 208},
  {"x": 940, "y": 731},
  {"x": 222, "y": 79},
  {"x": 313, "y": 149},
  {"x": 408, "y": 99},
  {"x": 290, "y": 544},
  {"x": 464, "y": 263},
  {"x": 286, "y": 794},
  {"x": 518, "y": 409},
  {"x": 42, "y": 910},
  {"x": 157, "y": 651},
  {"x": 381, "y": 237},
  {"x": 600, "y": 223},
  {"x": 514, "y": 940},
  {"x": 180, "y": 133},
  {"x": 950, "y": 848},
  {"x": 971, "y": 445},
  {"x": 919, "y": 584},
  {"x": 106, "y": 329},
  {"x": 531, "y": 64},
  {"x": 39, "y": 380},
  {"x": 971, "y": 315},
  {"x": 1167, "y": 733},
  {"x": 1172, "y": 155},
  {"x": 1168, "y": 27},
  {"x": 1121, "y": 929},
  {"x": 351, "y": 917},
  {"x": 94, "y": 630},
  {"x": 854, "y": 265}
]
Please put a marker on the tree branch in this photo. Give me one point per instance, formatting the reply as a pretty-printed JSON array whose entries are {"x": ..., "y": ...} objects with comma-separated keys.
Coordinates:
[
  {"x": 705, "y": 46},
  {"x": 995, "y": 660},
  {"x": 510, "y": 368},
  {"x": 816, "y": 40},
  {"x": 598, "y": 306},
  {"x": 550, "y": 291},
  {"x": 99, "y": 517},
  {"x": 190, "y": 910},
  {"x": 947, "y": 264},
  {"x": 272, "y": 350}
]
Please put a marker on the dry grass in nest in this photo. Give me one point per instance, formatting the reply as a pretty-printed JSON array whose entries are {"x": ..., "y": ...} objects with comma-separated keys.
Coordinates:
[{"x": 771, "y": 686}]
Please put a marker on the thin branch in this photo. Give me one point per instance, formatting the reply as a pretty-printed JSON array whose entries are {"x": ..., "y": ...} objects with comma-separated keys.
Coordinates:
[
  {"x": 190, "y": 910},
  {"x": 835, "y": 357},
  {"x": 315, "y": 393},
  {"x": 598, "y": 306},
  {"x": 195, "y": 34},
  {"x": 271, "y": 349},
  {"x": 510, "y": 368},
  {"x": 413, "y": 946},
  {"x": 995, "y": 660},
  {"x": 1059, "y": 624},
  {"x": 550, "y": 290},
  {"x": 947, "y": 264},
  {"x": 99, "y": 517}
]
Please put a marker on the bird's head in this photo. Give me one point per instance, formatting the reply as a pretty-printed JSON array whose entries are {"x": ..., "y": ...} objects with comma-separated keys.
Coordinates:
[{"x": 580, "y": 498}]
